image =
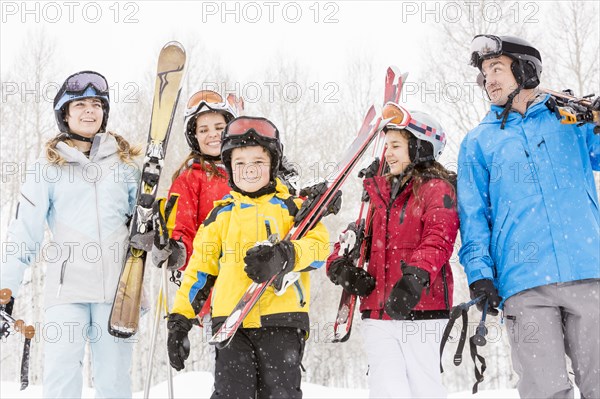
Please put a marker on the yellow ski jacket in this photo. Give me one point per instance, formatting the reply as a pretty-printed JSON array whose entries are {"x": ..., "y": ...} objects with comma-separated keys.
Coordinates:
[{"x": 236, "y": 224}]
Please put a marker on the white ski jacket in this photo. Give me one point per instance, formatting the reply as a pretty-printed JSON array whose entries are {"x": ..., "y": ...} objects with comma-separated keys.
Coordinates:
[{"x": 86, "y": 203}]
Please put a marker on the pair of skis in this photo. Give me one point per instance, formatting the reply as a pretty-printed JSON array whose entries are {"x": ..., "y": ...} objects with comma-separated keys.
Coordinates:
[
  {"x": 323, "y": 199},
  {"x": 342, "y": 326},
  {"x": 574, "y": 109},
  {"x": 125, "y": 313},
  {"x": 9, "y": 323}
]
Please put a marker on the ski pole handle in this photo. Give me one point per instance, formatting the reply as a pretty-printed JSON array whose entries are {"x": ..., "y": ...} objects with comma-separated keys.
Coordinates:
[
  {"x": 481, "y": 331},
  {"x": 474, "y": 301},
  {"x": 5, "y": 295},
  {"x": 17, "y": 325}
]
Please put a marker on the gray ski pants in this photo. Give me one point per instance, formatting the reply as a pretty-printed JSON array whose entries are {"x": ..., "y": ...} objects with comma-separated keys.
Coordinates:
[{"x": 545, "y": 324}]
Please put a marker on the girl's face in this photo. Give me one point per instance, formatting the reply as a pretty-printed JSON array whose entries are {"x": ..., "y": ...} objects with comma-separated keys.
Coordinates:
[
  {"x": 84, "y": 116},
  {"x": 396, "y": 153},
  {"x": 208, "y": 132},
  {"x": 251, "y": 168}
]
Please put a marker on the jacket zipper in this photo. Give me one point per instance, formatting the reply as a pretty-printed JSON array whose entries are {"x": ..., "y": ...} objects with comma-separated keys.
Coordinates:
[
  {"x": 63, "y": 268},
  {"x": 100, "y": 240},
  {"x": 300, "y": 293},
  {"x": 403, "y": 210}
]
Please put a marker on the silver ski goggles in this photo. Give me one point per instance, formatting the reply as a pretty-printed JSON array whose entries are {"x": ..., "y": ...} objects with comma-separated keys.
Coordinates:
[
  {"x": 483, "y": 47},
  {"x": 79, "y": 82},
  {"x": 490, "y": 46},
  {"x": 205, "y": 98}
]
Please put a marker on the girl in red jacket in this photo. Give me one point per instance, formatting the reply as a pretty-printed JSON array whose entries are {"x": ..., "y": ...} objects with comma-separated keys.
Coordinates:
[
  {"x": 200, "y": 180},
  {"x": 406, "y": 291}
]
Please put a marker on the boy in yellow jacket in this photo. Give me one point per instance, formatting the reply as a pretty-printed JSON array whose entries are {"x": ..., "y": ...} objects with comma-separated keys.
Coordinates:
[{"x": 263, "y": 358}]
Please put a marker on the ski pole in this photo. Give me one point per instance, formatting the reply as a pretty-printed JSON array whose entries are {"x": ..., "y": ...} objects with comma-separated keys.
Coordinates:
[
  {"x": 165, "y": 302},
  {"x": 153, "y": 344},
  {"x": 18, "y": 326},
  {"x": 481, "y": 330}
]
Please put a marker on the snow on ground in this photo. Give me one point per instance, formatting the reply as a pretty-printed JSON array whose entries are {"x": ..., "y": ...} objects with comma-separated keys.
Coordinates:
[{"x": 199, "y": 385}]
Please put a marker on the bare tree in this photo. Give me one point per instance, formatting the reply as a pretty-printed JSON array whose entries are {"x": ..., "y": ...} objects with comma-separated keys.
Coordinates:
[{"x": 572, "y": 52}]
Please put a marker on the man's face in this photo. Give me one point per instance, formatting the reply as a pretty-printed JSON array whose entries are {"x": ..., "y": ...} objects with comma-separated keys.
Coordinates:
[{"x": 499, "y": 79}]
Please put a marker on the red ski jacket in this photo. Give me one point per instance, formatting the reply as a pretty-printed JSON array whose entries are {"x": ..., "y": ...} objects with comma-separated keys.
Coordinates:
[
  {"x": 419, "y": 232},
  {"x": 195, "y": 193}
]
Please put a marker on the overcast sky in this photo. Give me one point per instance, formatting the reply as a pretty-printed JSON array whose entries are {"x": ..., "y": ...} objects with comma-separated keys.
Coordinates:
[{"x": 120, "y": 39}]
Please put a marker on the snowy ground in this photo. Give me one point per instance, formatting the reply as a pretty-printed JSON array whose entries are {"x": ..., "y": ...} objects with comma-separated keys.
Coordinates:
[{"x": 199, "y": 385}]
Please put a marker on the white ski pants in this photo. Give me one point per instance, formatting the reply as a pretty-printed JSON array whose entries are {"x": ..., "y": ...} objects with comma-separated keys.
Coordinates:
[
  {"x": 66, "y": 330},
  {"x": 404, "y": 358}
]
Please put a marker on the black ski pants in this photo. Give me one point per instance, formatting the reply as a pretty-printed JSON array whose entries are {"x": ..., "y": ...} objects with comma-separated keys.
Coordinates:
[{"x": 260, "y": 363}]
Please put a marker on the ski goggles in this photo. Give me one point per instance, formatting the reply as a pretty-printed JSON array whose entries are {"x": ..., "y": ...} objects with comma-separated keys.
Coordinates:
[
  {"x": 79, "y": 82},
  {"x": 484, "y": 46},
  {"x": 246, "y": 125},
  {"x": 490, "y": 46},
  {"x": 402, "y": 119},
  {"x": 82, "y": 85},
  {"x": 205, "y": 98}
]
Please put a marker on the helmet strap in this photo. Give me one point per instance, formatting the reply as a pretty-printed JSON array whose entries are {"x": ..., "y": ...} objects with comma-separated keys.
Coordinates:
[
  {"x": 268, "y": 189},
  {"x": 75, "y": 136},
  {"x": 508, "y": 106}
]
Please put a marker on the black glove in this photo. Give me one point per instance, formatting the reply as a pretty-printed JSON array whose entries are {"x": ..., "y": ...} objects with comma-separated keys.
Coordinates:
[
  {"x": 486, "y": 287},
  {"x": 354, "y": 280},
  {"x": 406, "y": 293},
  {"x": 178, "y": 344},
  {"x": 265, "y": 261},
  {"x": 8, "y": 308},
  {"x": 165, "y": 248}
]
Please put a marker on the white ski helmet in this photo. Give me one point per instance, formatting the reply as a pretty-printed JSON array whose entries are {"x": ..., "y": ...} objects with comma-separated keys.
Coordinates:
[
  {"x": 201, "y": 102},
  {"x": 428, "y": 137}
]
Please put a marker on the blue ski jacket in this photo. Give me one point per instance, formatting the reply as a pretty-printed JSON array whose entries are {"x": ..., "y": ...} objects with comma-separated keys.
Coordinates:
[
  {"x": 527, "y": 200},
  {"x": 86, "y": 204}
]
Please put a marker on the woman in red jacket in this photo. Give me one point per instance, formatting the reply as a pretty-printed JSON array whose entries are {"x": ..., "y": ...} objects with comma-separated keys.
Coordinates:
[{"x": 406, "y": 291}]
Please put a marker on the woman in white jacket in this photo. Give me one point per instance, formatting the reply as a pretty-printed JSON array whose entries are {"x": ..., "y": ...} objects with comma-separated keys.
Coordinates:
[{"x": 84, "y": 186}]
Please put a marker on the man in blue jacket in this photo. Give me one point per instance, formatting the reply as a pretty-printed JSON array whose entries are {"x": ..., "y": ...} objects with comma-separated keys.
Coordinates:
[{"x": 530, "y": 224}]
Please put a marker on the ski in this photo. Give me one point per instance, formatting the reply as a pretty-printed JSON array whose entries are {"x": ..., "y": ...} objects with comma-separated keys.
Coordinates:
[
  {"x": 342, "y": 326},
  {"x": 322, "y": 200},
  {"x": 9, "y": 323},
  {"x": 125, "y": 312},
  {"x": 575, "y": 109}
]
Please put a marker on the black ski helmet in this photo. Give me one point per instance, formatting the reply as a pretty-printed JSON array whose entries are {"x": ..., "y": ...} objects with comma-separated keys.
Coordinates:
[
  {"x": 247, "y": 131},
  {"x": 80, "y": 85},
  {"x": 527, "y": 61},
  {"x": 201, "y": 102}
]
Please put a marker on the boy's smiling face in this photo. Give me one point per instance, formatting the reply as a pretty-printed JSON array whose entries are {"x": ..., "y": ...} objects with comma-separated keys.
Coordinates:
[{"x": 251, "y": 168}]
